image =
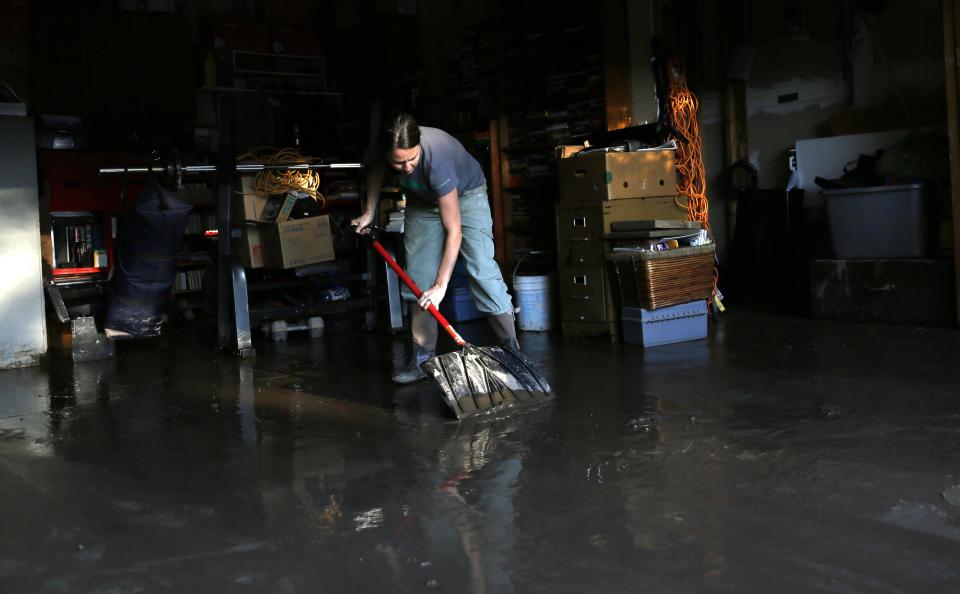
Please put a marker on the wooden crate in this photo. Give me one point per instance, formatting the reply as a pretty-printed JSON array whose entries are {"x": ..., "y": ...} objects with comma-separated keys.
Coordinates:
[{"x": 658, "y": 279}]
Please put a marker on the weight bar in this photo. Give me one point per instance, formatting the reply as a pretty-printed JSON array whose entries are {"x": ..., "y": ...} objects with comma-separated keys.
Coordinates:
[
  {"x": 241, "y": 168},
  {"x": 174, "y": 170}
]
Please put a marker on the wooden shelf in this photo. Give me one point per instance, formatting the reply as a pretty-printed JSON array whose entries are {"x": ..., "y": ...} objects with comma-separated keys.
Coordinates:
[
  {"x": 231, "y": 90},
  {"x": 529, "y": 148}
]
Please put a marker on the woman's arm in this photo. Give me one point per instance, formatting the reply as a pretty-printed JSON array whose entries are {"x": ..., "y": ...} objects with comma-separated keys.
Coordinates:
[
  {"x": 374, "y": 185},
  {"x": 450, "y": 218}
]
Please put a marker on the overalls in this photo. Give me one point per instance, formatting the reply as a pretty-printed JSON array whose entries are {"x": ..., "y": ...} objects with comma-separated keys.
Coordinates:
[{"x": 424, "y": 238}]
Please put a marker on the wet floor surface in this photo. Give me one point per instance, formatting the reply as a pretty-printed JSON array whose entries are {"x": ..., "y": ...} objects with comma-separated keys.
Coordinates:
[{"x": 781, "y": 455}]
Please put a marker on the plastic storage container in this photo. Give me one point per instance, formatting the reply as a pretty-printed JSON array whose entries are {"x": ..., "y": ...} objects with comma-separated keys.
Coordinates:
[
  {"x": 459, "y": 306},
  {"x": 879, "y": 221},
  {"x": 533, "y": 298},
  {"x": 666, "y": 325}
]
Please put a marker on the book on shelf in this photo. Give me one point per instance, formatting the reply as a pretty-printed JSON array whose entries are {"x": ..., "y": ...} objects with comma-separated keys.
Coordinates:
[
  {"x": 189, "y": 281},
  {"x": 199, "y": 222},
  {"x": 77, "y": 244}
]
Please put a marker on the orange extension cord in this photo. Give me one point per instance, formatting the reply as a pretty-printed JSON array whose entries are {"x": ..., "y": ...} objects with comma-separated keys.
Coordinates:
[
  {"x": 279, "y": 181},
  {"x": 691, "y": 175}
]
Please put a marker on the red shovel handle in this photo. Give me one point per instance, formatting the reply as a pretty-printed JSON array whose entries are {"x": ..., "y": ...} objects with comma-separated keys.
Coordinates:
[{"x": 417, "y": 292}]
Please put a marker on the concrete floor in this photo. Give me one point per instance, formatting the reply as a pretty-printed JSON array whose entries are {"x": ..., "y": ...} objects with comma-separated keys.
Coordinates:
[{"x": 782, "y": 455}]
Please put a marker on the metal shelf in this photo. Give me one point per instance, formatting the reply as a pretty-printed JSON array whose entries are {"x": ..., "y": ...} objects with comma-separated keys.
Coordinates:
[
  {"x": 268, "y": 73},
  {"x": 259, "y": 314},
  {"x": 254, "y": 286}
]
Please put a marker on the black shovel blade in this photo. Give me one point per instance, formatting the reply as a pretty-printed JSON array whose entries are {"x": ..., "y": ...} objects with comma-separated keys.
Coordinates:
[{"x": 478, "y": 379}]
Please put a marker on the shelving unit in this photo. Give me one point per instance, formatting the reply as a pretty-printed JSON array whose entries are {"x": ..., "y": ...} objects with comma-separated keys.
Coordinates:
[
  {"x": 268, "y": 294},
  {"x": 533, "y": 81},
  {"x": 552, "y": 89},
  {"x": 239, "y": 302},
  {"x": 75, "y": 197},
  {"x": 78, "y": 244},
  {"x": 197, "y": 257}
]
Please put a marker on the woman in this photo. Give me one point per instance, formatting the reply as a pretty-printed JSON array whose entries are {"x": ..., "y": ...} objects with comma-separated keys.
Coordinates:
[{"x": 447, "y": 215}]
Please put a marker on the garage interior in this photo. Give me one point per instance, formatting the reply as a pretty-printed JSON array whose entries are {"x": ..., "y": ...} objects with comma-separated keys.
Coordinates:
[{"x": 730, "y": 232}]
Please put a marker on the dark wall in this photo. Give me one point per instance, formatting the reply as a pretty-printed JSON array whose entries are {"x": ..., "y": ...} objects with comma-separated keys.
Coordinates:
[{"x": 131, "y": 67}]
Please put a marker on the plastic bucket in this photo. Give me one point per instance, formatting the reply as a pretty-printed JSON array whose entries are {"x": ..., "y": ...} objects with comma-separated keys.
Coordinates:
[{"x": 532, "y": 295}]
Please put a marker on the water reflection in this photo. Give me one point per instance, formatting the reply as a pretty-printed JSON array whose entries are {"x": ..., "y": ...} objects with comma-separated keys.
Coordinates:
[
  {"x": 679, "y": 469},
  {"x": 342, "y": 472},
  {"x": 672, "y": 498},
  {"x": 466, "y": 505},
  {"x": 420, "y": 494}
]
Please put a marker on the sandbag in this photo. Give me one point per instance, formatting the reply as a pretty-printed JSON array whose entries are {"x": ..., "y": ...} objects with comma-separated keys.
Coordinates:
[{"x": 151, "y": 234}]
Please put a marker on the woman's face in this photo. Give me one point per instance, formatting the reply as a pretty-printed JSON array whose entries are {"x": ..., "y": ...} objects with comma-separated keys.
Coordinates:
[{"x": 404, "y": 160}]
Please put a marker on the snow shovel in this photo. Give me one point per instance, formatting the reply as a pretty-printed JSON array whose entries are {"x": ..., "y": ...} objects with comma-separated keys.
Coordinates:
[{"x": 476, "y": 379}]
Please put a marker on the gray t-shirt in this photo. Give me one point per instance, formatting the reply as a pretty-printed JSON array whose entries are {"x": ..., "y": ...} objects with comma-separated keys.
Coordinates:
[{"x": 444, "y": 165}]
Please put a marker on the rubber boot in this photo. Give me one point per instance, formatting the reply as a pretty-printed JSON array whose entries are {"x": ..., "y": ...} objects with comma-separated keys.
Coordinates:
[
  {"x": 412, "y": 372},
  {"x": 423, "y": 328},
  {"x": 505, "y": 331}
]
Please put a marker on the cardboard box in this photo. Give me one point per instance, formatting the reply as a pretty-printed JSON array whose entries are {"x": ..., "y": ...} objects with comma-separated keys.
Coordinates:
[
  {"x": 565, "y": 151},
  {"x": 597, "y": 177},
  {"x": 247, "y": 206},
  {"x": 248, "y": 245},
  {"x": 296, "y": 243}
]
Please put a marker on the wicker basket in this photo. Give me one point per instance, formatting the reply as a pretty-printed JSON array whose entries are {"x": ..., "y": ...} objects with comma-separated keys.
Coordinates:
[{"x": 657, "y": 279}]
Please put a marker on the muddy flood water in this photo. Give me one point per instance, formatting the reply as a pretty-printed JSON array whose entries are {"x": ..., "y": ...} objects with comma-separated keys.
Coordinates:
[{"x": 781, "y": 455}]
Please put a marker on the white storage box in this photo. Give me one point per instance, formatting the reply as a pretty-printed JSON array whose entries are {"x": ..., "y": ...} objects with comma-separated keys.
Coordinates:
[{"x": 666, "y": 325}]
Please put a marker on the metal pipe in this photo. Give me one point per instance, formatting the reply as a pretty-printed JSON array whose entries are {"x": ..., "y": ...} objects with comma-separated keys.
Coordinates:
[
  {"x": 109, "y": 170},
  {"x": 241, "y": 167},
  {"x": 261, "y": 167}
]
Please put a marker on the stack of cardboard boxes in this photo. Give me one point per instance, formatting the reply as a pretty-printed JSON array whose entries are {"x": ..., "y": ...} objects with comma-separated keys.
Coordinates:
[
  {"x": 597, "y": 190},
  {"x": 266, "y": 237}
]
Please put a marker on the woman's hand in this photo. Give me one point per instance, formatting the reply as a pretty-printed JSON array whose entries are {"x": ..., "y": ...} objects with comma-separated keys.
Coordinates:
[
  {"x": 362, "y": 223},
  {"x": 433, "y": 295}
]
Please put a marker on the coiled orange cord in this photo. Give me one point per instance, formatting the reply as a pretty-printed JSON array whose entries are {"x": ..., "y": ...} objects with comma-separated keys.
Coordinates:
[
  {"x": 691, "y": 175},
  {"x": 271, "y": 182}
]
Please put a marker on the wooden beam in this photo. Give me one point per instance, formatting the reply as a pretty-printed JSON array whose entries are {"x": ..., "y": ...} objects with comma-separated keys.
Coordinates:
[
  {"x": 496, "y": 191},
  {"x": 951, "y": 36},
  {"x": 735, "y": 116},
  {"x": 735, "y": 132},
  {"x": 616, "y": 65}
]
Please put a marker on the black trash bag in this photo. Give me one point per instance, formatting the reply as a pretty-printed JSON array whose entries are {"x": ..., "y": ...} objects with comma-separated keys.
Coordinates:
[
  {"x": 861, "y": 173},
  {"x": 151, "y": 234}
]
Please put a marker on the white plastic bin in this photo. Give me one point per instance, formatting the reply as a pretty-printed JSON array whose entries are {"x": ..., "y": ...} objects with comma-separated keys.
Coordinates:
[{"x": 879, "y": 221}]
